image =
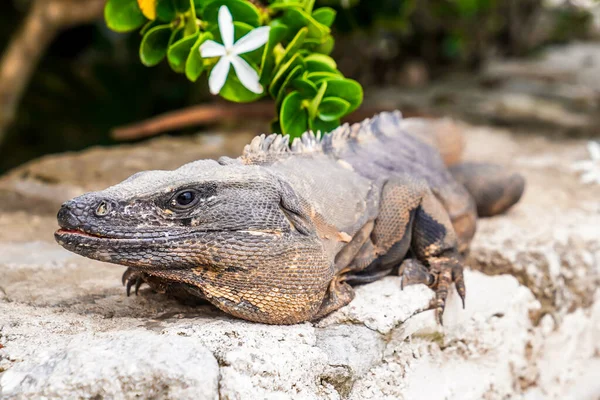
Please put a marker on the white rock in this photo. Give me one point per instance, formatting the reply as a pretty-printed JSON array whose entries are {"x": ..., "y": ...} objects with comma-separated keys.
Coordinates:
[
  {"x": 530, "y": 329},
  {"x": 119, "y": 365}
]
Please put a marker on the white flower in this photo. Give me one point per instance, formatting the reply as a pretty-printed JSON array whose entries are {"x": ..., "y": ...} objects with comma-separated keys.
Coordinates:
[
  {"x": 590, "y": 169},
  {"x": 229, "y": 53}
]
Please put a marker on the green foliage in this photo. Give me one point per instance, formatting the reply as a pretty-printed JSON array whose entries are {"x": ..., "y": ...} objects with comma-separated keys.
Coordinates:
[
  {"x": 293, "y": 66},
  {"x": 458, "y": 32},
  {"x": 154, "y": 45},
  {"x": 123, "y": 15}
]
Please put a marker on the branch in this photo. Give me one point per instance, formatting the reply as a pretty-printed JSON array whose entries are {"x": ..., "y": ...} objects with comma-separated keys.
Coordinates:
[
  {"x": 196, "y": 115},
  {"x": 206, "y": 114},
  {"x": 46, "y": 18}
]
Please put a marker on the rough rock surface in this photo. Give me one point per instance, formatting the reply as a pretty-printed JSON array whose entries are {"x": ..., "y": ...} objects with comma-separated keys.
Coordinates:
[{"x": 530, "y": 329}]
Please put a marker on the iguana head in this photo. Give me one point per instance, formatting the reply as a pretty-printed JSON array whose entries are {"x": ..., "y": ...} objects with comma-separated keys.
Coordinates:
[
  {"x": 202, "y": 214},
  {"x": 236, "y": 232}
]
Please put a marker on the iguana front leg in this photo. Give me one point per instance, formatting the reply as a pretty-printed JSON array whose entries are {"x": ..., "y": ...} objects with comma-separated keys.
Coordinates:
[
  {"x": 412, "y": 218},
  {"x": 435, "y": 247}
]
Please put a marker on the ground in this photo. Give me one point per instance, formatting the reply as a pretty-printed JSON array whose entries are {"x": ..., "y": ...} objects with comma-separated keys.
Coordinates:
[{"x": 529, "y": 330}]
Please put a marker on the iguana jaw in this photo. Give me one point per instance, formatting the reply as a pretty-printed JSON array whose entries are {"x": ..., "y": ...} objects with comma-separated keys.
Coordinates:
[
  {"x": 164, "y": 252},
  {"x": 130, "y": 251},
  {"x": 86, "y": 234},
  {"x": 87, "y": 238}
]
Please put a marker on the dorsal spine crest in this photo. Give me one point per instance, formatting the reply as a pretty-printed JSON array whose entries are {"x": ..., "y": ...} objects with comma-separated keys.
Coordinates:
[{"x": 264, "y": 147}]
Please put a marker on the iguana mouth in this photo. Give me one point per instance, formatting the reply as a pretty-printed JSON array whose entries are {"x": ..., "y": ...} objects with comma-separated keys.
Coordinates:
[
  {"x": 80, "y": 233},
  {"x": 64, "y": 233},
  {"x": 80, "y": 236}
]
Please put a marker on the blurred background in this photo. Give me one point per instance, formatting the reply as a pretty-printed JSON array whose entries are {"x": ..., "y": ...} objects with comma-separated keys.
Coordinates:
[{"x": 66, "y": 81}]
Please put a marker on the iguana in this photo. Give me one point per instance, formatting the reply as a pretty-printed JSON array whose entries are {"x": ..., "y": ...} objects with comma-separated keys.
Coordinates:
[{"x": 280, "y": 234}]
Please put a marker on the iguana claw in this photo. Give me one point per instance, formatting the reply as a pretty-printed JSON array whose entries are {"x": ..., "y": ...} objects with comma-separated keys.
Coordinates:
[
  {"x": 413, "y": 272},
  {"x": 132, "y": 278}
]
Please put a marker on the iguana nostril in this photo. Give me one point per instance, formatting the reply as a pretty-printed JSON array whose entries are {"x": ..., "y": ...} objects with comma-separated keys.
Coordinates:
[
  {"x": 102, "y": 209},
  {"x": 67, "y": 219}
]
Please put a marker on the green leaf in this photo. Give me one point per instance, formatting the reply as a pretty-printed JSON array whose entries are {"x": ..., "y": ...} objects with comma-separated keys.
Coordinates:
[
  {"x": 282, "y": 72},
  {"x": 326, "y": 47},
  {"x": 333, "y": 108},
  {"x": 316, "y": 101},
  {"x": 178, "y": 52},
  {"x": 295, "y": 19},
  {"x": 318, "y": 77},
  {"x": 242, "y": 11},
  {"x": 175, "y": 36},
  {"x": 322, "y": 45},
  {"x": 154, "y": 45},
  {"x": 308, "y": 5},
  {"x": 292, "y": 116},
  {"x": 181, "y": 5},
  {"x": 149, "y": 25},
  {"x": 324, "y": 15},
  {"x": 293, "y": 47},
  {"x": 276, "y": 35},
  {"x": 195, "y": 63},
  {"x": 285, "y": 6},
  {"x": 292, "y": 75},
  {"x": 306, "y": 88},
  {"x": 323, "y": 59},
  {"x": 346, "y": 89},
  {"x": 165, "y": 10},
  {"x": 323, "y": 126},
  {"x": 316, "y": 62},
  {"x": 123, "y": 15}
]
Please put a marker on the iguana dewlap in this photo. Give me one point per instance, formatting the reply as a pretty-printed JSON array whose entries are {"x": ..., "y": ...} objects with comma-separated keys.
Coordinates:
[{"x": 280, "y": 234}]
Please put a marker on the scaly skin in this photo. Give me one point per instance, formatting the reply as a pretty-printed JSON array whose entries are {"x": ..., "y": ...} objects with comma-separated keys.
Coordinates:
[{"x": 280, "y": 234}]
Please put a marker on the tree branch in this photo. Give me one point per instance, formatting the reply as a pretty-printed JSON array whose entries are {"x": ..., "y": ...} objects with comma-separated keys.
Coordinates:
[
  {"x": 44, "y": 20},
  {"x": 206, "y": 114},
  {"x": 203, "y": 114}
]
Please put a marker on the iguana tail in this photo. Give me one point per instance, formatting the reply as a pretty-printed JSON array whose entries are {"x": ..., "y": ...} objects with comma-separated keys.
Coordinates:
[
  {"x": 443, "y": 134},
  {"x": 493, "y": 188}
]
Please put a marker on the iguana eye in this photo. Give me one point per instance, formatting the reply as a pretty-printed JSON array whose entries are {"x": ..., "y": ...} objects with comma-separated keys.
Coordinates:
[{"x": 184, "y": 200}]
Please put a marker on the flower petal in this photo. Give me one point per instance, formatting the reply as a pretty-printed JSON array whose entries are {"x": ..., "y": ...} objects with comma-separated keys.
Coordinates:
[
  {"x": 593, "y": 147},
  {"x": 226, "y": 26},
  {"x": 210, "y": 48},
  {"x": 246, "y": 74},
  {"x": 218, "y": 75},
  {"x": 252, "y": 40}
]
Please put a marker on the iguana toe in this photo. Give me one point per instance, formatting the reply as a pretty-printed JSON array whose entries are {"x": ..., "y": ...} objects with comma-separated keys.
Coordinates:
[
  {"x": 132, "y": 278},
  {"x": 444, "y": 274},
  {"x": 412, "y": 272}
]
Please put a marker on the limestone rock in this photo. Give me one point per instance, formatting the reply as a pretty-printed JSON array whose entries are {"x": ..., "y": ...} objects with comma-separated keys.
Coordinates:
[
  {"x": 529, "y": 330},
  {"x": 124, "y": 364}
]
